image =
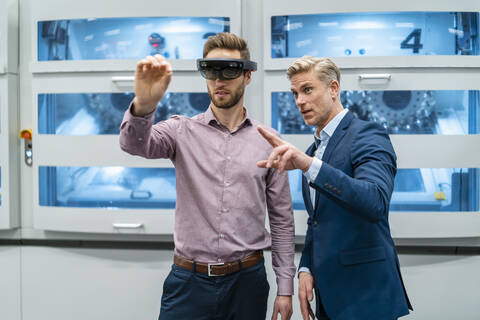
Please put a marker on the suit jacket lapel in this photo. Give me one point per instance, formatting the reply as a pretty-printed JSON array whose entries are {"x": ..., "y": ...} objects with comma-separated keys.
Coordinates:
[
  {"x": 332, "y": 143},
  {"x": 337, "y": 136},
  {"x": 305, "y": 186}
]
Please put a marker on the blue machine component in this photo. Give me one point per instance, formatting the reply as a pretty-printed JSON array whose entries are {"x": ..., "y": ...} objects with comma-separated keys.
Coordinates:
[
  {"x": 102, "y": 113},
  {"x": 375, "y": 34},
  {"x": 399, "y": 112},
  {"x": 421, "y": 189},
  {"x": 126, "y": 38},
  {"x": 107, "y": 187}
]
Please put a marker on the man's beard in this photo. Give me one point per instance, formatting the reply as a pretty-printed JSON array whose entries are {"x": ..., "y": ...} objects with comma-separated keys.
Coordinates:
[{"x": 227, "y": 103}]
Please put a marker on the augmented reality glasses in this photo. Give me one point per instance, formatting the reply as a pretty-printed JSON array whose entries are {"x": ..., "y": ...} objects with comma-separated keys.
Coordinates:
[{"x": 224, "y": 68}]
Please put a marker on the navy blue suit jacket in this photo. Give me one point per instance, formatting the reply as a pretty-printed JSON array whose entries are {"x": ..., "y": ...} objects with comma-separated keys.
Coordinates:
[{"x": 348, "y": 246}]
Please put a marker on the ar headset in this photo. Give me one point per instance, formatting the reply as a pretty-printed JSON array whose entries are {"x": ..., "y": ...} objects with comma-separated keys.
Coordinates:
[{"x": 224, "y": 68}]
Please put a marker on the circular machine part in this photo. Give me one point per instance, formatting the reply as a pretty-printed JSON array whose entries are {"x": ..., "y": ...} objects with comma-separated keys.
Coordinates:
[{"x": 397, "y": 111}]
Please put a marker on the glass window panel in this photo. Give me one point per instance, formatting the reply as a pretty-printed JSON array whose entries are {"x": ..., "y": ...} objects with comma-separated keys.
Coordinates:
[
  {"x": 126, "y": 38},
  {"x": 295, "y": 180},
  {"x": 107, "y": 187},
  {"x": 444, "y": 112},
  {"x": 421, "y": 189},
  {"x": 375, "y": 34},
  {"x": 102, "y": 113}
]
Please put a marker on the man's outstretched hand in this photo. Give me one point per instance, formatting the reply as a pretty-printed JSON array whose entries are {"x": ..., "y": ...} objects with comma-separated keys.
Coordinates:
[
  {"x": 152, "y": 78},
  {"x": 284, "y": 155}
]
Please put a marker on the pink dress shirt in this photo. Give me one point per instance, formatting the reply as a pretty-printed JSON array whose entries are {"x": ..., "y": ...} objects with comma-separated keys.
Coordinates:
[{"x": 222, "y": 195}]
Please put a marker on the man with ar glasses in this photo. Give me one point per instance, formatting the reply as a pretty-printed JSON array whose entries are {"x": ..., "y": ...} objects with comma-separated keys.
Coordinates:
[{"x": 222, "y": 196}]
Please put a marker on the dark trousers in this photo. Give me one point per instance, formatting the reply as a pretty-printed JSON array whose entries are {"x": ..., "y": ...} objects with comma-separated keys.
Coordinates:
[{"x": 196, "y": 296}]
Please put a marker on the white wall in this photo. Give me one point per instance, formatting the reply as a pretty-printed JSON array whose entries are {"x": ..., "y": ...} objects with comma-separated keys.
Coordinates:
[
  {"x": 10, "y": 308},
  {"x": 103, "y": 284},
  {"x": 442, "y": 287}
]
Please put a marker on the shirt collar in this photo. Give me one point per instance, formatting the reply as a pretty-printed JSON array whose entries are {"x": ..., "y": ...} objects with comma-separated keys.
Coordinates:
[
  {"x": 209, "y": 118},
  {"x": 330, "y": 128}
]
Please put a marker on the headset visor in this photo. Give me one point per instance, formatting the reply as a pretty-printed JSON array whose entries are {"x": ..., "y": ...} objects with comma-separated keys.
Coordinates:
[{"x": 224, "y": 68}]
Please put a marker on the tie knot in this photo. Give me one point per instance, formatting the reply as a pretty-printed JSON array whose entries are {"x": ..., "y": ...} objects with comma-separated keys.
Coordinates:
[{"x": 317, "y": 142}]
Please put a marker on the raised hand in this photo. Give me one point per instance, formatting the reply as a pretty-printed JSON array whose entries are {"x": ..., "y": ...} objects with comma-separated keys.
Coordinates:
[
  {"x": 152, "y": 78},
  {"x": 284, "y": 155}
]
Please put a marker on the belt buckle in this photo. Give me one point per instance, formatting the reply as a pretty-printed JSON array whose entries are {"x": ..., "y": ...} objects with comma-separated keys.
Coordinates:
[{"x": 214, "y": 264}]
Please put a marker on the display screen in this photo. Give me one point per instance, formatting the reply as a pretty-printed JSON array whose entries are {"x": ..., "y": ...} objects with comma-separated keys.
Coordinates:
[
  {"x": 102, "y": 113},
  {"x": 375, "y": 34},
  {"x": 126, "y": 38},
  {"x": 420, "y": 189},
  {"x": 443, "y": 112},
  {"x": 107, "y": 187}
]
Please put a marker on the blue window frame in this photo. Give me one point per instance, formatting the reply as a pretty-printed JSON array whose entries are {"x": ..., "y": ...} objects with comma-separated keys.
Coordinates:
[
  {"x": 399, "y": 112},
  {"x": 126, "y": 38},
  {"x": 420, "y": 189},
  {"x": 107, "y": 187},
  {"x": 375, "y": 34},
  {"x": 102, "y": 113}
]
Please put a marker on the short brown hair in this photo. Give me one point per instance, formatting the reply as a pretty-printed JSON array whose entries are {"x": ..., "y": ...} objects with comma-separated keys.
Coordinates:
[
  {"x": 325, "y": 69},
  {"x": 225, "y": 40}
]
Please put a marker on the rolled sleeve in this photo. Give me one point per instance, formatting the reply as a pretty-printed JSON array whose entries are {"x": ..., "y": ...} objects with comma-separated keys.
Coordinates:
[
  {"x": 282, "y": 228},
  {"x": 285, "y": 287},
  {"x": 138, "y": 135}
]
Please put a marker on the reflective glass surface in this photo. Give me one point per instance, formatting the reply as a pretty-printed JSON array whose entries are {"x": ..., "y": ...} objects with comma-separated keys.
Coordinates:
[
  {"x": 400, "y": 112},
  {"x": 107, "y": 187},
  {"x": 421, "y": 189},
  {"x": 295, "y": 180},
  {"x": 375, "y": 34},
  {"x": 102, "y": 113},
  {"x": 126, "y": 38}
]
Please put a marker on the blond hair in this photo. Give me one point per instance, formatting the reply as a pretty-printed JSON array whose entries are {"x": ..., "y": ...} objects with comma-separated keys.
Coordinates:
[
  {"x": 325, "y": 69},
  {"x": 225, "y": 40}
]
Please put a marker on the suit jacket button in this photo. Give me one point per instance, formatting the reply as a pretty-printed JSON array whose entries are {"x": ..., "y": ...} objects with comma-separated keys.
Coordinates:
[{"x": 315, "y": 223}]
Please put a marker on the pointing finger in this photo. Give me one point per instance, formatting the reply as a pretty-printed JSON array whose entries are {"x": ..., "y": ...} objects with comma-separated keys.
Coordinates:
[
  {"x": 271, "y": 138},
  {"x": 262, "y": 163},
  {"x": 276, "y": 152}
]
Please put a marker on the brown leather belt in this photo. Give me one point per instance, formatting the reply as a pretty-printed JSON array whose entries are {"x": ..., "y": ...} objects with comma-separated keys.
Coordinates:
[{"x": 219, "y": 269}]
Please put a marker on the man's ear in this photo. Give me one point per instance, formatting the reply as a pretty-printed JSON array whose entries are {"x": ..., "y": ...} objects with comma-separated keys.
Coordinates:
[
  {"x": 248, "y": 76},
  {"x": 333, "y": 89}
]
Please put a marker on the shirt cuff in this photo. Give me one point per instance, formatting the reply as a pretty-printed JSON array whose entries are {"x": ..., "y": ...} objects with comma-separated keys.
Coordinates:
[
  {"x": 285, "y": 287},
  {"x": 312, "y": 172},
  {"x": 148, "y": 116},
  {"x": 304, "y": 269}
]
